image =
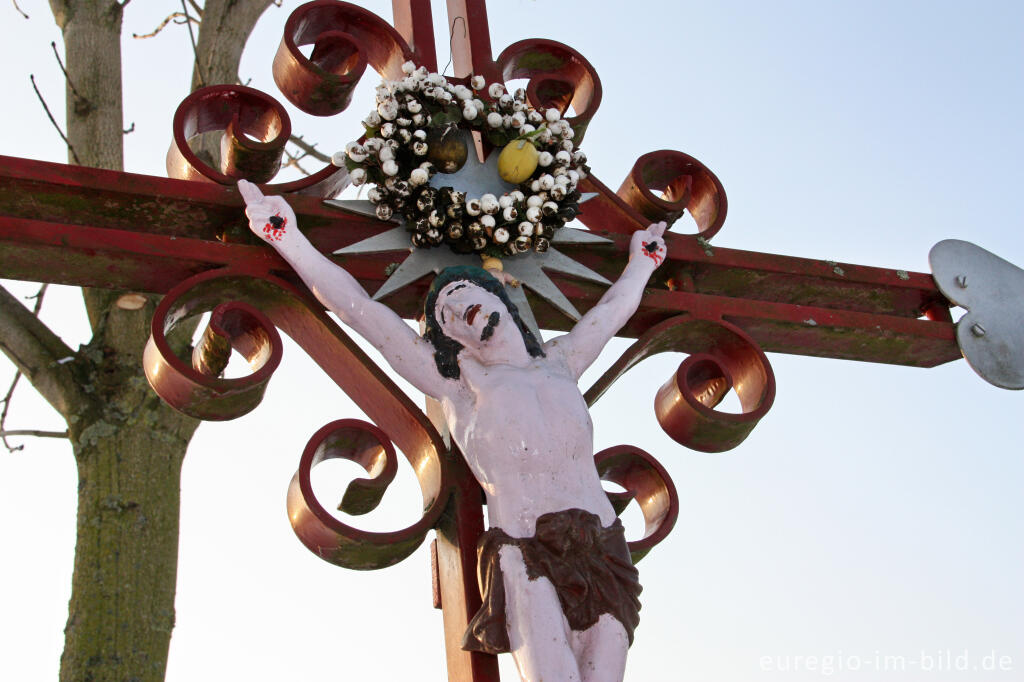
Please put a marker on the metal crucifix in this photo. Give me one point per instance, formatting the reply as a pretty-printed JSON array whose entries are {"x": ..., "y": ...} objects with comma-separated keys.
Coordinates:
[{"x": 722, "y": 306}]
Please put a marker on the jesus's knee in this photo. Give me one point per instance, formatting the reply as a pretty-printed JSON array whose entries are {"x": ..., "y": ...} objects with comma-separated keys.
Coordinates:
[{"x": 601, "y": 650}]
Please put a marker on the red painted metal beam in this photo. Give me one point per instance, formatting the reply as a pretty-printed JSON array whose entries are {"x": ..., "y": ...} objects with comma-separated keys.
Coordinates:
[{"x": 100, "y": 228}]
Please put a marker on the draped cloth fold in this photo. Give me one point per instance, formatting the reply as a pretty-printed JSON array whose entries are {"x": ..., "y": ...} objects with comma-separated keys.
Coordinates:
[{"x": 588, "y": 564}]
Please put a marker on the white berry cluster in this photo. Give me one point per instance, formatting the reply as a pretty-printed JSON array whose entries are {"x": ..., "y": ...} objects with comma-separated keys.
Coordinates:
[{"x": 407, "y": 143}]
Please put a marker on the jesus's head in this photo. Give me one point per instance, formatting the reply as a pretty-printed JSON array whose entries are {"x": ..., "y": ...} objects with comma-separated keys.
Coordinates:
[{"x": 464, "y": 307}]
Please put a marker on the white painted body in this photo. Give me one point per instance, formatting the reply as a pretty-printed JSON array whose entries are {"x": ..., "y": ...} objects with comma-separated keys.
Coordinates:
[{"x": 520, "y": 421}]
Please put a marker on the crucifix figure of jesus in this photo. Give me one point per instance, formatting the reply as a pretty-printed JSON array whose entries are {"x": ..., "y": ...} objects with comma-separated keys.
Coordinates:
[{"x": 559, "y": 590}]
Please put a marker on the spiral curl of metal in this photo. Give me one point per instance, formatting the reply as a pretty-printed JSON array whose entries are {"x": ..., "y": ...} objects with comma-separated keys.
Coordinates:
[
  {"x": 255, "y": 130},
  {"x": 560, "y": 77},
  {"x": 684, "y": 183},
  {"x": 723, "y": 357},
  {"x": 645, "y": 481},
  {"x": 196, "y": 389},
  {"x": 345, "y": 39}
]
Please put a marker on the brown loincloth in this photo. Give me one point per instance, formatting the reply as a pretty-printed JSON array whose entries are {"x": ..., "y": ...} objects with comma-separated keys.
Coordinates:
[{"x": 588, "y": 564}]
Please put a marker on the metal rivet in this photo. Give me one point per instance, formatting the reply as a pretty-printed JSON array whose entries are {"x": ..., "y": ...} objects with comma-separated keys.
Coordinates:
[
  {"x": 977, "y": 330},
  {"x": 961, "y": 281}
]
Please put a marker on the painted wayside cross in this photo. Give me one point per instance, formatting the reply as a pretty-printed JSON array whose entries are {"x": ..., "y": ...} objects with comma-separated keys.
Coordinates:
[{"x": 724, "y": 307}]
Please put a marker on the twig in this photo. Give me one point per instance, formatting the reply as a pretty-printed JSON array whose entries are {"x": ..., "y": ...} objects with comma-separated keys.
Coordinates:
[
  {"x": 196, "y": 7},
  {"x": 131, "y": 129},
  {"x": 195, "y": 51},
  {"x": 175, "y": 16},
  {"x": 60, "y": 132},
  {"x": 310, "y": 149},
  {"x": 30, "y": 432},
  {"x": 56, "y": 55},
  {"x": 3, "y": 414},
  {"x": 292, "y": 161},
  {"x": 38, "y": 296},
  {"x": 25, "y": 15}
]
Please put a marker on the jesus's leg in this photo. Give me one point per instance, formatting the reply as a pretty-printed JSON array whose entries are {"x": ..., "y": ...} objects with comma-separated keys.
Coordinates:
[
  {"x": 537, "y": 631},
  {"x": 601, "y": 650}
]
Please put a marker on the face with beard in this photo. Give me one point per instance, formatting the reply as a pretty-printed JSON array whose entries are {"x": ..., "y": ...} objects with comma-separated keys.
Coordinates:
[
  {"x": 467, "y": 308},
  {"x": 469, "y": 314}
]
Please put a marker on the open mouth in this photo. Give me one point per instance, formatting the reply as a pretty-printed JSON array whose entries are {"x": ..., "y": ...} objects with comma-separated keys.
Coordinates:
[{"x": 471, "y": 313}]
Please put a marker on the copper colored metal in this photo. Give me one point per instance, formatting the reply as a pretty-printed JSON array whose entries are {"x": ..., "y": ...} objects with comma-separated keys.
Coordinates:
[
  {"x": 458, "y": 530},
  {"x": 302, "y": 318},
  {"x": 146, "y": 234},
  {"x": 255, "y": 130},
  {"x": 645, "y": 481},
  {"x": 722, "y": 357},
  {"x": 345, "y": 39},
  {"x": 471, "y": 40},
  {"x": 196, "y": 389},
  {"x": 414, "y": 23},
  {"x": 328, "y": 537},
  {"x": 684, "y": 183},
  {"x": 560, "y": 77}
]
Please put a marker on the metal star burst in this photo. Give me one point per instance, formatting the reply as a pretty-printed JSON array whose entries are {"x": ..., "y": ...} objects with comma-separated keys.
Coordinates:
[{"x": 477, "y": 176}]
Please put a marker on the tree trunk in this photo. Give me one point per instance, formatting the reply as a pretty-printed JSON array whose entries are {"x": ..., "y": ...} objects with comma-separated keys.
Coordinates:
[
  {"x": 128, "y": 445},
  {"x": 122, "y": 605}
]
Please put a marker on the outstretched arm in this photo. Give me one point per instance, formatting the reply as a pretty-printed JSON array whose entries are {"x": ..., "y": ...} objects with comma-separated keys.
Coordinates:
[
  {"x": 584, "y": 343},
  {"x": 272, "y": 219}
]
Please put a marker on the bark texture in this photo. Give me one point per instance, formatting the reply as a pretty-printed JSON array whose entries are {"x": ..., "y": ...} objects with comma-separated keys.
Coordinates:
[{"x": 128, "y": 445}]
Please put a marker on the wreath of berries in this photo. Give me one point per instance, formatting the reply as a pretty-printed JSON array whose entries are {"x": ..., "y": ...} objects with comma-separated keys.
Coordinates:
[{"x": 412, "y": 136}]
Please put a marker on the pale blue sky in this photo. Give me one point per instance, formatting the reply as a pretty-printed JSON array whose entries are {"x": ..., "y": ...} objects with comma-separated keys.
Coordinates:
[{"x": 875, "y": 512}]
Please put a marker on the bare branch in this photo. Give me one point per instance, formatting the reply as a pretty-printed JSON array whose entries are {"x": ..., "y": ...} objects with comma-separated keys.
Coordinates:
[
  {"x": 195, "y": 52},
  {"x": 131, "y": 129},
  {"x": 6, "y": 401},
  {"x": 60, "y": 132},
  {"x": 38, "y": 296},
  {"x": 19, "y": 9},
  {"x": 222, "y": 35},
  {"x": 178, "y": 18},
  {"x": 310, "y": 149},
  {"x": 294, "y": 162},
  {"x": 79, "y": 99},
  {"x": 124, "y": 3},
  {"x": 34, "y": 432},
  {"x": 3, "y": 414},
  {"x": 40, "y": 355},
  {"x": 196, "y": 7}
]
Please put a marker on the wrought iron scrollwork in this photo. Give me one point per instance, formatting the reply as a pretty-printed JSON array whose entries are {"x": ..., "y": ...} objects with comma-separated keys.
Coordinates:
[
  {"x": 722, "y": 357},
  {"x": 333, "y": 540},
  {"x": 560, "y": 77},
  {"x": 647, "y": 482},
  {"x": 682, "y": 183},
  {"x": 195, "y": 388},
  {"x": 345, "y": 39},
  {"x": 255, "y": 130}
]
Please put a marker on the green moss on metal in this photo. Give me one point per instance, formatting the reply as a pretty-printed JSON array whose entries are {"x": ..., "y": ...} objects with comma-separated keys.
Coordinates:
[
  {"x": 705, "y": 246},
  {"x": 540, "y": 61}
]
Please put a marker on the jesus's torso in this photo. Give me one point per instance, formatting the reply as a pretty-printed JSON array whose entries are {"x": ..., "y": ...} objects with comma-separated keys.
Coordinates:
[{"x": 528, "y": 438}]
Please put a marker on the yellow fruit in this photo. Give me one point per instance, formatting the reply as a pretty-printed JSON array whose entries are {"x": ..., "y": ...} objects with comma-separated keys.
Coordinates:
[{"x": 517, "y": 161}]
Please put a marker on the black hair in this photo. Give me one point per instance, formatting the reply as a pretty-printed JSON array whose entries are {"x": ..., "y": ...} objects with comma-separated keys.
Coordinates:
[{"x": 446, "y": 349}]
